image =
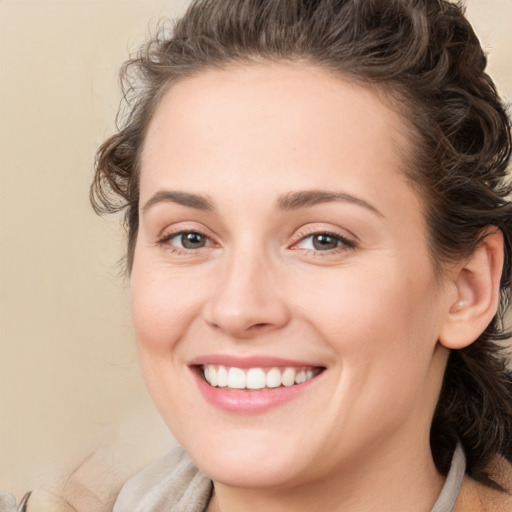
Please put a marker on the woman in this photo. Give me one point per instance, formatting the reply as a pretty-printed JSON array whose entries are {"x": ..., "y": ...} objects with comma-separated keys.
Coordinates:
[{"x": 319, "y": 244}]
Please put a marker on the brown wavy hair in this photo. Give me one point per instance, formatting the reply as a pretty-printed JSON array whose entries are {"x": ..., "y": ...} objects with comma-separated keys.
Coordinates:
[{"x": 425, "y": 56}]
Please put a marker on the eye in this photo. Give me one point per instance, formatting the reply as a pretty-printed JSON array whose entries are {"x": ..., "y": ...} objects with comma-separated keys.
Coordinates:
[
  {"x": 324, "y": 242},
  {"x": 188, "y": 240}
]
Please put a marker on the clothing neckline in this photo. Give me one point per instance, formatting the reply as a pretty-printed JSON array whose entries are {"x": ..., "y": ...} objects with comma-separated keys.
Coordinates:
[
  {"x": 451, "y": 488},
  {"x": 174, "y": 483}
]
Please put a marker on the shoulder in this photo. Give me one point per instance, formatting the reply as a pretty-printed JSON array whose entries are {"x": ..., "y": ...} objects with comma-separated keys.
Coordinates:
[
  {"x": 475, "y": 496},
  {"x": 171, "y": 483}
]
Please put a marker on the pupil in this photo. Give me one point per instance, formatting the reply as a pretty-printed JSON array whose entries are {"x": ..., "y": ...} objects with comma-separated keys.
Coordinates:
[
  {"x": 323, "y": 242},
  {"x": 192, "y": 240}
]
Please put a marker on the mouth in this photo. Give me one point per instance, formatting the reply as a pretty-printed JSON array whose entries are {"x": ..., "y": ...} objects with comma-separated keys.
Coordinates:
[
  {"x": 257, "y": 378},
  {"x": 249, "y": 385}
]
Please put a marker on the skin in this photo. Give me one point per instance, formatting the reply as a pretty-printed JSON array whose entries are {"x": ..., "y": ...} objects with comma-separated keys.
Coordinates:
[{"x": 371, "y": 310}]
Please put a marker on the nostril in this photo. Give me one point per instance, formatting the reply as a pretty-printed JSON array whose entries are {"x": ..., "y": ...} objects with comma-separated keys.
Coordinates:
[{"x": 259, "y": 326}]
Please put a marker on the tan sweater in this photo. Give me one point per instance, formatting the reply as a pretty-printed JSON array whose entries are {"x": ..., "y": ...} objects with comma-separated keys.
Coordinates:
[
  {"x": 174, "y": 484},
  {"x": 475, "y": 496}
]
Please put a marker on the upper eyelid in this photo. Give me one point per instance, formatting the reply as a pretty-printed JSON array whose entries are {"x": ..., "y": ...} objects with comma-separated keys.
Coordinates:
[
  {"x": 173, "y": 234},
  {"x": 346, "y": 242},
  {"x": 186, "y": 227},
  {"x": 299, "y": 234},
  {"x": 305, "y": 231}
]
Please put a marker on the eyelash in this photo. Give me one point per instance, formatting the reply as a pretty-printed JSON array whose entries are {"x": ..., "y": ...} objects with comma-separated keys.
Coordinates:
[
  {"x": 165, "y": 241},
  {"x": 344, "y": 242}
]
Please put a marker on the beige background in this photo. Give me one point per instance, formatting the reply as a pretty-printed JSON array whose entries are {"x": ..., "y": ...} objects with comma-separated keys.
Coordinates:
[{"x": 69, "y": 382}]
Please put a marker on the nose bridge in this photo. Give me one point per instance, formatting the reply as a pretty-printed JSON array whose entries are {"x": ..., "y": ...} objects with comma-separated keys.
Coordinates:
[{"x": 246, "y": 300}]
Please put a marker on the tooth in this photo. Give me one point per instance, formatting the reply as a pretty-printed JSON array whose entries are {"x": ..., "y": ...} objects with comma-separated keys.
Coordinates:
[
  {"x": 288, "y": 377},
  {"x": 273, "y": 378},
  {"x": 256, "y": 378},
  {"x": 236, "y": 378},
  {"x": 222, "y": 377},
  {"x": 212, "y": 373},
  {"x": 300, "y": 377}
]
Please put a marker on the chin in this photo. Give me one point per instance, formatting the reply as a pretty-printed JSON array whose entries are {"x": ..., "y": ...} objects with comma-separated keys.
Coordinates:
[
  {"x": 257, "y": 463},
  {"x": 248, "y": 474}
]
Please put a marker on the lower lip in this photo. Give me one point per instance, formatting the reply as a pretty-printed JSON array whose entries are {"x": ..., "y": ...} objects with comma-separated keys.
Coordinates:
[{"x": 250, "y": 401}]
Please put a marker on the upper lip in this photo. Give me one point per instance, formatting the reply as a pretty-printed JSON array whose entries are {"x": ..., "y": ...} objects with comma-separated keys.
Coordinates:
[{"x": 249, "y": 362}]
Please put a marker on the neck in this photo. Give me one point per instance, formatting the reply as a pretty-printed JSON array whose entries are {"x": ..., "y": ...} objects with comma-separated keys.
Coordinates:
[{"x": 397, "y": 480}]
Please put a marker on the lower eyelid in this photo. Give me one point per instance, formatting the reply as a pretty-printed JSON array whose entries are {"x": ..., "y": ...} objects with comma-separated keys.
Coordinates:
[{"x": 343, "y": 242}]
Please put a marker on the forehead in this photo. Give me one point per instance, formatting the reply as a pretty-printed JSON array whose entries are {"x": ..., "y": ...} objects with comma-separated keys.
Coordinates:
[{"x": 272, "y": 120}]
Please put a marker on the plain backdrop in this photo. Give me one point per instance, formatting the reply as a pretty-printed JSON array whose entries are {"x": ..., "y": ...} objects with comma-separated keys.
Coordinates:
[{"x": 69, "y": 381}]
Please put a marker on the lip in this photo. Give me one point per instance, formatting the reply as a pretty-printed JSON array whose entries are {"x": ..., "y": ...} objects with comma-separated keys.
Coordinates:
[
  {"x": 249, "y": 401},
  {"x": 250, "y": 362}
]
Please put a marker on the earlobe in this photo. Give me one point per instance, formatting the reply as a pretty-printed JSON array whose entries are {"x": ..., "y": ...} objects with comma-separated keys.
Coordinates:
[{"x": 477, "y": 286}]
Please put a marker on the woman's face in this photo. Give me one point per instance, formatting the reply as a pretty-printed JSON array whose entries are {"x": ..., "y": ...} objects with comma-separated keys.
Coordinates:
[{"x": 280, "y": 242}]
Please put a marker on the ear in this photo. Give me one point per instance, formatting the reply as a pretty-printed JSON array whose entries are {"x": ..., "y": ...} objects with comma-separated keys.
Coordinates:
[{"x": 476, "y": 286}]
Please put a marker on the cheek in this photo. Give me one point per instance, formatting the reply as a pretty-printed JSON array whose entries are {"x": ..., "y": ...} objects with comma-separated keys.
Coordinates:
[
  {"x": 162, "y": 311},
  {"x": 162, "y": 307},
  {"x": 383, "y": 331},
  {"x": 373, "y": 317}
]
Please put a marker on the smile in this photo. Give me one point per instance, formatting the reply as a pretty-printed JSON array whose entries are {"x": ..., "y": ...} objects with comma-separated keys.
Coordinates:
[
  {"x": 256, "y": 378},
  {"x": 249, "y": 385}
]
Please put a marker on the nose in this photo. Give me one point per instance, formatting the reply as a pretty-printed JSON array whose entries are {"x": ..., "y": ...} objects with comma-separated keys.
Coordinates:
[{"x": 247, "y": 301}]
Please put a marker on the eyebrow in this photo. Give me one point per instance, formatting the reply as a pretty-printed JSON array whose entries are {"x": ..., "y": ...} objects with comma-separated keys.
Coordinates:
[
  {"x": 306, "y": 198},
  {"x": 286, "y": 202},
  {"x": 184, "y": 198}
]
